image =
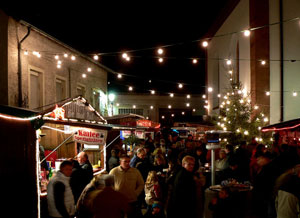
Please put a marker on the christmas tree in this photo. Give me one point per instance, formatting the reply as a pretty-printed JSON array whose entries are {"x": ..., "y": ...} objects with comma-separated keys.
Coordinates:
[{"x": 238, "y": 116}]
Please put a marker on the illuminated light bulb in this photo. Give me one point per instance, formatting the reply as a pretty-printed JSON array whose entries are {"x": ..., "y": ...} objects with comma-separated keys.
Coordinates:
[
  {"x": 206, "y": 101},
  {"x": 94, "y": 93},
  {"x": 56, "y": 57},
  {"x": 219, "y": 123},
  {"x": 26, "y": 52},
  {"x": 227, "y": 109},
  {"x": 130, "y": 88},
  {"x": 262, "y": 115},
  {"x": 225, "y": 97},
  {"x": 147, "y": 118},
  {"x": 195, "y": 61},
  {"x": 133, "y": 106},
  {"x": 66, "y": 55},
  {"x": 172, "y": 115},
  {"x": 228, "y": 62},
  {"x": 210, "y": 89},
  {"x": 246, "y": 132},
  {"x": 188, "y": 96},
  {"x": 204, "y": 44},
  {"x": 34, "y": 52},
  {"x": 219, "y": 95},
  {"x": 295, "y": 94},
  {"x": 222, "y": 124},
  {"x": 203, "y": 96},
  {"x": 227, "y": 102},
  {"x": 225, "y": 140},
  {"x": 259, "y": 128},
  {"x": 160, "y": 51},
  {"x": 118, "y": 104},
  {"x": 230, "y": 79},
  {"x": 260, "y": 139},
  {"x": 230, "y": 72},
  {"x": 267, "y": 93},
  {"x": 249, "y": 101},
  {"x": 238, "y": 130},
  {"x": 96, "y": 57},
  {"x": 224, "y": 129},
  {"x": 160, "y": 60},
  {"x": 58, "y": 66},
  {"x": 232, "y": 93},
  {"x": 124, "y": 55},
  {"x": 240, "y": 92},
  {"x": 119, "y": 75},
  {"x": 180, "y": 85},
  {"x": 128, "y": 59},
  {"x": 83, "y": 75},
  {"x": 73, "y": 58},
  {"x": 171, "y": 95},
  {"x": 182, "y": 112},
  {"x": 241, "y": 101},
  {"x": 266, "y": 119},
  {"x": 151, "y": 107},
  {"x": 152, "y": 92},
  {"x": 194, "y": 110},
  {"x": 89, "y": 69},
  {"x": 256, "y": 139},
  {"x": 255, "y": 107},
  {"x": 222, "y": 106},
  {"x": 263, "y": 62},
  {"x": 59, "y": 62},
  {"x": 162, "y": 117},
  {"x": 149, "y": 81},
  {"x": 38, "y": 55},
  {"x": 187, "y": 104},
  {"x": 247, "y": 33},
  {"x": 169, "y": 106}
]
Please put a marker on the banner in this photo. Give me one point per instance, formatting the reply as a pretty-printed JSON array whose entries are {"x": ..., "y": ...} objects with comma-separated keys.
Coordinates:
[{"x": 90, "y": 136}]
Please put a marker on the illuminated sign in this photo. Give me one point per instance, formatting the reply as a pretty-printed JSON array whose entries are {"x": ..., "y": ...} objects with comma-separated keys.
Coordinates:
[{"x": 58, "y": 113}]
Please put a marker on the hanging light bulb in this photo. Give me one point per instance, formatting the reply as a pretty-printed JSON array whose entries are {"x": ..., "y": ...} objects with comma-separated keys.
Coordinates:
[
  {"x": 263, "y": 62},
  {"x": 172, "y": 115},
  {"x": 124, "y": 55},
  {"x": 89, "y": 69},
  {"x": 130, "y": 88},
  {"x": 295, "y": 94},
  {"x": 96, "y": 57},
  {"x": 247, "y": 33},
  {"x": 133, "y": 106},
  {"x": 56, "y": 57},
  {"x": 58, "y": 66},
  {"x": 26, "y": 52},
  {"x": 127, "y": 58},
  {"x": 210, "y": 89},
  {"x": 118, "y": 104},
  {"x": 180, "y": 85},
  {"x": 187, "y": 104},
  {"x": 151, "y": 107},
  {"x": 59, "y": 62},
  {"x": 162, "y": 117},
  {"x": 83, "y": 75},
  {"x": 169, "y": 106},
  {"x": 73, "y": 58},
  {"x": 171, "y": 95},
  {"x": 160, "y": 51},
  {"x": 119, "y": 75},
  {"x": 219, "y": 95},
  {"x": 195, "y": 61},
  {"x": 188, "y": 96},
  {"x": 267, "y": 93},
  {"x": 182, "y": 112},
  {"x": 66, "y": 55},
  {"x": 160, "y": 60},
  {"x": 194, "y": 110},
  {"x": 230, "y": 72},
  {"x": 152, "y": 92},
  {"x": 204, "y": 44},
  {"x": 203, "y": 96},
  {"x": 255, "y": 107}
]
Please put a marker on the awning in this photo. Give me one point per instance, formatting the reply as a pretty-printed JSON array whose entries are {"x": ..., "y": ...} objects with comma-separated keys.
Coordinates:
[{"x": 286, "y": 125}]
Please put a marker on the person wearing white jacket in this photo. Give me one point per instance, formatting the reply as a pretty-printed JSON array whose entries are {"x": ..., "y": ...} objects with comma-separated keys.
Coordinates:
[{"x": 60, "y": 198}]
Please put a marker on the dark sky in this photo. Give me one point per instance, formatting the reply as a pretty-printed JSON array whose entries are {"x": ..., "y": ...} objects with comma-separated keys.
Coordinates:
[{"x": 119, "y": 26}]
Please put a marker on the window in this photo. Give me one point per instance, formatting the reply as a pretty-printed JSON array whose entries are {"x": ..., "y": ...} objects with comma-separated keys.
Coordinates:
[
  {"x": 35, "y": 89},
  {"x": 60, "y": 89},
  {"x": 80, "y": 90},
  {"x": 131, "y": 111}
]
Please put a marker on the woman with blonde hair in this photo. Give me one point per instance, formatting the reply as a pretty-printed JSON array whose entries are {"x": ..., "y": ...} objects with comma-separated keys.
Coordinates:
[{"x": 152, "y": 190}]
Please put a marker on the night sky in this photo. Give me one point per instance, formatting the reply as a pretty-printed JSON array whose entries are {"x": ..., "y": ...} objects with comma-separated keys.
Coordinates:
[{"x": 111, "y": 28}]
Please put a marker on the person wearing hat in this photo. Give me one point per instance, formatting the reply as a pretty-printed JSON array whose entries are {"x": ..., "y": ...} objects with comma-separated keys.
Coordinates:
[{"x": 156, "y": 211}]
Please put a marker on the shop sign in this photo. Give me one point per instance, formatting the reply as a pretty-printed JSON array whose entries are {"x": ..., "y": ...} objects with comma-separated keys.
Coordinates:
[
  {"x": 140, "y": 134},
  {"x": 90, "y": 136},
  {"x": 144, "y": 123},
  {"x": 58, "y": 113}
]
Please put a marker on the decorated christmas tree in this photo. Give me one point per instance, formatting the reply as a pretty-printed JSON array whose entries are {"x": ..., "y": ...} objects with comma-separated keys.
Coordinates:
[{"x": 238, "y": 116}]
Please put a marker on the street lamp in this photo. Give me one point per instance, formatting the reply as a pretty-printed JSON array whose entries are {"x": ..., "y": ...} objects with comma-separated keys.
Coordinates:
[{"x": 111, "y": 98}]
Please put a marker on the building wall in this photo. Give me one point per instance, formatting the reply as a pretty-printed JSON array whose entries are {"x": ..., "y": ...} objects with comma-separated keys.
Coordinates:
[
  {"x": 158, "y": 102},
  {"x": 231, "y": 46},
  {"x": 70, "y": 71},
  {"x": 260, "y": 45}
]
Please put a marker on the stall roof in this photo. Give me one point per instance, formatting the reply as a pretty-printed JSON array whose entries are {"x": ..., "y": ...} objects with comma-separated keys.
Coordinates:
[
  {"x": 121, "y": 116},
  {"x": 17, "y": 111},
  {"x": 290, "y": 124}
]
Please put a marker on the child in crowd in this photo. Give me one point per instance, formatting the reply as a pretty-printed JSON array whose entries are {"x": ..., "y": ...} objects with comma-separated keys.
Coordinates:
[
  {"x": 156, "y": 211},
  {"x": 152, "y": 190},
  {"x": 221, "y": 205}
]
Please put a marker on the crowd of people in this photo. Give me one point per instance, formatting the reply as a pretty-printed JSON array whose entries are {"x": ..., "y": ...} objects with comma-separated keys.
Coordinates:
[{"x": 168, "y": 176}]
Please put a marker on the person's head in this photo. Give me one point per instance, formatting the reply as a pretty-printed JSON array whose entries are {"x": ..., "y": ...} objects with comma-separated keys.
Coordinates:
[
  {"x": 141, "y": 153},
  {"x": 66, "y": 168},
  {"x": 233, "y": 163},
  {"x": 199, "y": 151},
  {"x": 264, "y": 159},
  {"x": 190, "y": 137},
  {"x": 114, "y": 153},
  {"x": 222, "y": 154},
  {"x": 124, "y": 161},
  {"x": 159, "y": 160},
  {"x": 151, "y": 178},
  {"x": 188, "y": 162},
  {"x": 82, "y": 157},
  {"x": 224, "y": 193},
  {"x": 229, "y": 148},
  {"x": 107, "y": 180}
]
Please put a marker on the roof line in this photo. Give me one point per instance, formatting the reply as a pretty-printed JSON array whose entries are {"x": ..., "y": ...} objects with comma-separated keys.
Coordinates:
[{"x": 66, "y": 46}]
